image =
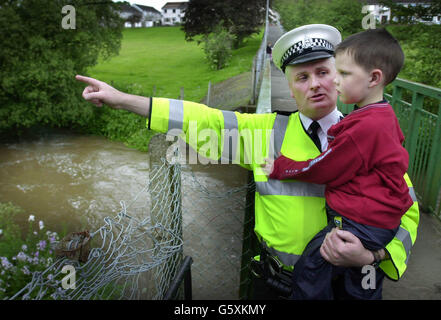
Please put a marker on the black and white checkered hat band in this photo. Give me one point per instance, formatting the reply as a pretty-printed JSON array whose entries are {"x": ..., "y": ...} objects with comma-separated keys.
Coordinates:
[{"x": 303, "y": 47}]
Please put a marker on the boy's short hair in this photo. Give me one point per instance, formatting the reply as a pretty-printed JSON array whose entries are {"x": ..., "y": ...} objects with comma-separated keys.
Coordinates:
[{"x": 375, "y": 49}]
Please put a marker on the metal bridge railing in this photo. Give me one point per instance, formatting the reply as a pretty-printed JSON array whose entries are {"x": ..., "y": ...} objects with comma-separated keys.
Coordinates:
[
  {"x": 261, "y": 97},
  {"x": 418, "y": 109},
  {"x": 259, "y": 62}
]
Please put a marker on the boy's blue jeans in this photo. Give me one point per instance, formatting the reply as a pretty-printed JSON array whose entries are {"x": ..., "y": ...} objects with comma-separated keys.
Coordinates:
[{"x": 313, "y": 275}]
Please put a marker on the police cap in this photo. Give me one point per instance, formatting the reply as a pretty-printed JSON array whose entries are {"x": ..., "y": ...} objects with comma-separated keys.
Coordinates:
[{"x": 305, "y": 43}]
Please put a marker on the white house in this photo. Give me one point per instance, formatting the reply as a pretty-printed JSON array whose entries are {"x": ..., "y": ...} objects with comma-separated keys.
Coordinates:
[
  {"x": 137, "y": 15},
  {"x": 150, "y": 15},
  {"x": 173, "y": 12},
  {"x": 131, "y": 16},
  {"x": 382, "y": 14}
]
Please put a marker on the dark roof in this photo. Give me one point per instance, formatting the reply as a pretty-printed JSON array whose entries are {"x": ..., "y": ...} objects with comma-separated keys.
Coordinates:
[
  {"x": 398, "y": 1},
  {"x": 175, "y": 5},
  {"x": 147, "y": 8},
  {"x": 124, "y": 7}
]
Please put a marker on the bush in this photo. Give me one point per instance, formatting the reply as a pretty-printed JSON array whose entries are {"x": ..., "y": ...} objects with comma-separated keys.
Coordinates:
[
  {"x": 218, "y": 47},
  {"x": 22, "y": 255},
  {"x": 422, "y": 54}
]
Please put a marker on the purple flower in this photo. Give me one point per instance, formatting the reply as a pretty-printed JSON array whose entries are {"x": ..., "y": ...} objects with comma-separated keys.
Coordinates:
[
  {"x": 41, "y": 245},
  {"x": 5, "y": 263}
]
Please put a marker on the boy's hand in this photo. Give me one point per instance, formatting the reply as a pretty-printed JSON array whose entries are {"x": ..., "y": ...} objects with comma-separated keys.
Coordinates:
[
  {"x": 268, "y": 166},
  {"x": 99, "y": 92}
]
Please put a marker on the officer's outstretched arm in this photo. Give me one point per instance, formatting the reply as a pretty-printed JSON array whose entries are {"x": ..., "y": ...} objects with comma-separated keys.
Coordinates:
[
  {"x": 226, "y": 136},
  {"x": 399, "y": 248}
]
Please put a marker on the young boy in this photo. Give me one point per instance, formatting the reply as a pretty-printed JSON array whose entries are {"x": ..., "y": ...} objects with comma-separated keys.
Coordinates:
[{"x": 363, "y": 166}]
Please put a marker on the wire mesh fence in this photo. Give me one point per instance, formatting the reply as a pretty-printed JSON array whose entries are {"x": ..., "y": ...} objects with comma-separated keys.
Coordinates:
[
  {"x": 213, "y": 214},
  {"x": 213, "y": 217}
]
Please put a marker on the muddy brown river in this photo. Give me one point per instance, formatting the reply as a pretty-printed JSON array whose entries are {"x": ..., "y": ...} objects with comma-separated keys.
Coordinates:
[{"x": 70, "y": 181}]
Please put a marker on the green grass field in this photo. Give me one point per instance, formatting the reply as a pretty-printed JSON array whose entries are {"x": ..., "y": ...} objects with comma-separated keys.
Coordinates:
[{"x": 161, "y": 57}]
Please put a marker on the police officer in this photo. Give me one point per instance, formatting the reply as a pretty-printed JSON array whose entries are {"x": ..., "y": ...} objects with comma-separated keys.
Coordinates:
[{"x": 287, "y": 213}]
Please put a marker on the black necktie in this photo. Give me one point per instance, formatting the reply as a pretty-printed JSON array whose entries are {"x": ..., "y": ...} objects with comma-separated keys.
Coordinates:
[{"x": 314, "y": 136}]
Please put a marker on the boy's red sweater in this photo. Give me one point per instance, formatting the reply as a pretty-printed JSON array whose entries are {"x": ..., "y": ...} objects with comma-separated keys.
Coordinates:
[{"x": 362, "y": 168}]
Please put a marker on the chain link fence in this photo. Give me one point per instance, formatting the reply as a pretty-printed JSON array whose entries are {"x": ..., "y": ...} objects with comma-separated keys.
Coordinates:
[{"x": 213, "y": 200}]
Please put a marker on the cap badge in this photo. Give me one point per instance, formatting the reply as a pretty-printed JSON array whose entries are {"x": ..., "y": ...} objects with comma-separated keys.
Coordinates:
[{"x": 307, "y": 42}]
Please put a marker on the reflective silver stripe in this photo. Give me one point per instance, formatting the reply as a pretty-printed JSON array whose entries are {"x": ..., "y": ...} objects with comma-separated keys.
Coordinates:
[
  {"x": 230, "y": 137},
  {"x": 279, "y": 129},
  {"x": 176, "y": 114},
  {"x": 412, "y": 194},
  {"x": 404, "y": 236},
  {"x": 288, "y": 259},
  {"x": 289, "y": 188}
]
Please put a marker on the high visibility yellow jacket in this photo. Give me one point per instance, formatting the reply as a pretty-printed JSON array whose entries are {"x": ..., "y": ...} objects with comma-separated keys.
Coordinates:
[{"x": 287, "y": 213}]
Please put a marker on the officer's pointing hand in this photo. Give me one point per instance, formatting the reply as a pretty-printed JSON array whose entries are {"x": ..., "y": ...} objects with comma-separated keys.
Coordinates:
[{"x": 99, "y": 92}]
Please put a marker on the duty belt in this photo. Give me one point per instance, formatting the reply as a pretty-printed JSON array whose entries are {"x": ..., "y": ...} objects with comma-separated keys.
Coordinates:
[{"x": 271, "y": 270}]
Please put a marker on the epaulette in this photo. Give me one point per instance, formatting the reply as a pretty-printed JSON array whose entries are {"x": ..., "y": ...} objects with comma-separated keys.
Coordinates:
[{"x": 285, "y": 113}]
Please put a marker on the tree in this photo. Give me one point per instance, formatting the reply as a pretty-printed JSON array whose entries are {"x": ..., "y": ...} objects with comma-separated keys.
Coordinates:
[
  {"x": 39, "y": 59},
  {"x": 218, "y": 46},
  {"x": 422, "y": 53},
  {"x": 345, "y": 15},
  {"x": 241, "y": 18}
]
